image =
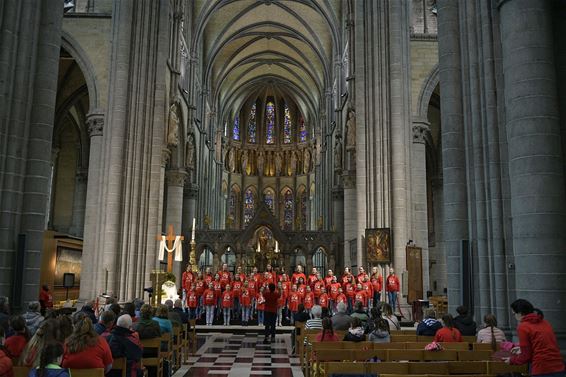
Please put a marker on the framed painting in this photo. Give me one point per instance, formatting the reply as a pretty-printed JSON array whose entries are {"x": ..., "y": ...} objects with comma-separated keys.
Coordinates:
[{"x": 378, "y": 245}]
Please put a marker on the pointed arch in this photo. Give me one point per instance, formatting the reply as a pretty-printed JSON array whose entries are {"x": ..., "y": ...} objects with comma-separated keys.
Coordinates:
[{"x": 250, "y": 202}]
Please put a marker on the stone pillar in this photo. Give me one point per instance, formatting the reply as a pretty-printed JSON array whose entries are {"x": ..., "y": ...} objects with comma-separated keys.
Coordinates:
[
  {"x": 190, "y": 194},
  {"x": 453, "y": 147},
  {"x": 79, "y": 204},
  {"x": 350, "y": 218},
  {"x": 338, "y": 216},
  {"x": 421, "y": 131},
  {"x": 536, "y": 164},
  {"x": 174, "y": 212},
  {"x": 89, "y": 279}
]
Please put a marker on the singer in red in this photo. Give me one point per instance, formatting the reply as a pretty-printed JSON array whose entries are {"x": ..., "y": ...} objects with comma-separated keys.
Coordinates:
[{"x": 392, "y": 287}]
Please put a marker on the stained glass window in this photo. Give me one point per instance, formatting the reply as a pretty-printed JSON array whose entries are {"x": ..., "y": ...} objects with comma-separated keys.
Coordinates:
[
  {"x": 236, "y": 128},
  {"x": 303, "y": 210},
  {"x": 288, "y": 210},
  {"x": 233, "y": 207},
  {"x": 287, "y": 127},
  {"x": 249, "y": 206},
  {"x": 270, "y": 123},
  {"x": 268, "y": 198},
  {"x": 302, "y": 130},
  {"x": 252, "y": 126}
]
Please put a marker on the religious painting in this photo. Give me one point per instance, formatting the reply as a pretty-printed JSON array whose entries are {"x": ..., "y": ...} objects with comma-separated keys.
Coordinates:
[
  {"x": 378, "y": 245},
  {"x": 68, "y": 261}
]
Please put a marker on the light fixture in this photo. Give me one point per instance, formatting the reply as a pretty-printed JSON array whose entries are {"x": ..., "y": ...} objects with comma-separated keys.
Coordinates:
[{"x": 68, "y": 6}]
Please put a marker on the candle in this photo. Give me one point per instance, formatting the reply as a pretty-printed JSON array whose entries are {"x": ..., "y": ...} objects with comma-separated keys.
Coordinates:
[
  {"x": 194, "y": 228},
  {"x": 276, "y": 246},
  {"x": 258, "y": 246}
]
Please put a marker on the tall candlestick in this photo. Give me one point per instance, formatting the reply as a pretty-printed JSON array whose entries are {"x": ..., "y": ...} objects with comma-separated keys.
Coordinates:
[
  {"x": 258, "y": 246},
  {"x": 276, "y": 246},
  {"x": 194, "y": 228}
]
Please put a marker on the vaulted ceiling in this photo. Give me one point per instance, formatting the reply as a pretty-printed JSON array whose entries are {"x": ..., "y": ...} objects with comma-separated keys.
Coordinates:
[{"x": 248, "y": 46}]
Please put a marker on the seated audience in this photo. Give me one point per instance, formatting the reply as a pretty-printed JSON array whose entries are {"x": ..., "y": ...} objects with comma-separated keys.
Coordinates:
[
  {"x": 115, "y": 308},
  {"x": 6, "y": 365},
  {"x": 162, "y": 317},
  {"x": 33, "y": 317},
  {"x": 490, "y": 333},
  {"x": 464, "y": 322},
  {"x": 130, "y": 309},
  {"x": 146, "y": 327},
  {"x": 302, "y": 315},
  {"x": 341, "y": 321},
  {"x": 123, "y": 343},
  {"x": 355, "y": 332},
  {"x": 48, "y": 332},
  {"x": 387, "y": 312},
  {"x": 50, "y": 362},
  {"x": 174, "y": 317},
  {"x": 429, "y": 325},
  {"x": 65, "y": 328},
  {"x": 374, "y": 314},
  {"x": 16, "y": 343},
  {"x": 449, "y": 333},
  {"x": 105, "y": 324},
  {"x": 380, "y": 332},
  {"x": 327, "y": 334},
  {"x": 85, "y": 349},
  {"x": 89, "y": 311},
  {"x": 360, "y": 313},
  {"x": 178, "y": 308},
  {"x": 316, "y": 321}
]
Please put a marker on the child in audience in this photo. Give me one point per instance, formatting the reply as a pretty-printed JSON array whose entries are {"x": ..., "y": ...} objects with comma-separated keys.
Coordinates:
[
  {"x": 50, "y": 363},
  {"x": 6, "y": 365},
  {"x": 327, "y": 334},
  {"x": 16, "y": 343},
  {"x": 448, "y": 333}
]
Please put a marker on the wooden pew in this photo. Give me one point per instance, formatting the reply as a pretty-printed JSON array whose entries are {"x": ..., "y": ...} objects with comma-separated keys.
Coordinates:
[
  {"x": 98, "y": 372},
  {"x": 121, "y": 365},
  {"x": 156, "y": 361},
  {"x": 467, "y": 367},
  {"x": 499, "y": 367},
  {"x": 21, "y": 371},
  {"x": 474, "y": 355},
  {"x": 429, "y": 368},
  {"x": 404, "y": 338},
  {"x": 177, "y": 346}
]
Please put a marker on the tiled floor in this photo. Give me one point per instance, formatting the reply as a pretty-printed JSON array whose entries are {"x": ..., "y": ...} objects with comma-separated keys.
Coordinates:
[{"x": 238, "y": 355}]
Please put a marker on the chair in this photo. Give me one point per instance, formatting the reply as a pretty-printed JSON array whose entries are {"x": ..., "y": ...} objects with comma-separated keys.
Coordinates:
[
  {"x": 21, "y": 371},
  {"x": 390, "y": 346},
  {"x": 485, "y": 346},
  {"x": 120, "y": 364},
  {"x": 96, "y": 372},
  {"x": 156, "y": 361},
  {"x": 167, "y": 341}
]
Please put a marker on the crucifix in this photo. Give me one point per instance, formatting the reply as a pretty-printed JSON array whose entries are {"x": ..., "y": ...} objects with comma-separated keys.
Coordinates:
[{"x": 170, "y": 239}]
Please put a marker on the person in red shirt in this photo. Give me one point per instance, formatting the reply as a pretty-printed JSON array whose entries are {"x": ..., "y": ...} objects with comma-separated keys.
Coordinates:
[
  {"x": 6, "y": 365},
  {"x": 200, "y": 287},
  {"x": 260, "y": 306},
  {"x": 449, "y": 333},
  {"x": 272, "y": 279},
  {"x": 225, "y": 276},
  {"x": 227, "y": 304},
  {"x": 377, "y": 284},
  {"x": 281, "y": 275},
  {"x": 360, "y": 295},
  {"x": 333, "y": 288},
  {"x": 345, "y": 277},
  {"x": 392, "y": 287},
  {"x": 45, "y": 299},
  {"x": 313, "y": 277},
  {"x": 341, "y": 298},
  {"x": 323, "y": 299},
  {"x": 350, "y": 292},
  {"x": 308, "y": 300},
  {"x": 271, "y": 297},
  {"x": 361, "y": 275},
  {"x": 209, "y": 298},
  {"x": 537, "y": 342},
  {"x": 187, "y": 278},
  {"x": 192, "y": 301},
  {"x": 298, "y": 274},
  {"x": 368, "y": 288},
  {"x": 85, "y": 349},
  {"x": 257, "y": 277},
  {"x": 236, "y": 290},
  {"x": 301, "y": 289},
  {"x": 246, "y": 303},
  {"x": 317, "y": 288},
  {"x": 281, "y": 302},
  {"x": 217, "y": 286},
  {"x": 328, "y": 279},
  {"x": 208, "y": 276},
  {"x": 240, "y": 273},
  {"x": 294, "y": 301},
  {"x": 16, "y": 343}
]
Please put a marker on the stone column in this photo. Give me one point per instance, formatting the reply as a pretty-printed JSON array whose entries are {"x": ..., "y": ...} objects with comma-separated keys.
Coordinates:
[
  {"x": 536, "y": 164},
  {"x": 453, "y": 147},
  {"x": 174, "y": 212},
  {"x": 89, "y": 279},
  {"x": 421, "y": 131},
  {"x": 338, "y": 215},
  {"x": 190, "y": 194},
  {"x": 350, "y": 218},
  {"x": 79, "y": 203}
]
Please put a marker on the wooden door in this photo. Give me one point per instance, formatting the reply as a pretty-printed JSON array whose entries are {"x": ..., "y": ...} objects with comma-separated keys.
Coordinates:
[{"x": 415, "y": 272}]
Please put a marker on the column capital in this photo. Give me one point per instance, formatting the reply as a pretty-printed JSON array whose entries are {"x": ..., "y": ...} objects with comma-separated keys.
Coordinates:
[
  {"x": 337, "y": 193},
  {"x": 349, "y": 179},
  {"x": 190, "y": 191},
  {"x": 95, "y": 124},
  {"x": 176, "y": 177},
  {"x": 165, "y": 155},
  {"x": 421, "y": 131}
]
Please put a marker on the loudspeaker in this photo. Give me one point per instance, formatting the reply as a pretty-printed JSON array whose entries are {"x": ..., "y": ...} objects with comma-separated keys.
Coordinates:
[{"x": 68, "y": 280}]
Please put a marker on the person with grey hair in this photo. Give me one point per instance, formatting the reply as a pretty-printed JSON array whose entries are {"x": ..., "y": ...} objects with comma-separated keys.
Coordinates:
[
  {"x": 316, "y": 321},
  {"x": 105, "y": 323},
  {"x": 174, "y": 317},
  {"x": 341, "y": 321},
  {"x": 123, "y": 343},
  {"x": 33, "y": 317},
  {"x": 178, "y": 308}
]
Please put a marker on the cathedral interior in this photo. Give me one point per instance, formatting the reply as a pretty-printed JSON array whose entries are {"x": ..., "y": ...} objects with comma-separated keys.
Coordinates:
[{"x": 423, "y": 135}]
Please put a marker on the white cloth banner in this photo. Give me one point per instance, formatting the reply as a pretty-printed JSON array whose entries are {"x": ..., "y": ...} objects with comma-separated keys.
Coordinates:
[{"x": 177, "y": 248}]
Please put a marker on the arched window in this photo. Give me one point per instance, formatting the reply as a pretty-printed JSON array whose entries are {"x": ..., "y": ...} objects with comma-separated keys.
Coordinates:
[
  {"x": 205, "y": 259},
  {"x": 236, "y": 128},
  {"x": 269, "y": 198},
  {"x": 298, "y": 258},
  {"x": 302, "y": 130},
  {"x": 319, "y": 259},
  {"x": 233, "y": 220},
  {"x": 252, "y": 131},
  {"x": 270, "y": 123},
  {"x": 288, "y": 204},
  {"x": 249, "y": 206},
  {"x": 287, "y": 126}
]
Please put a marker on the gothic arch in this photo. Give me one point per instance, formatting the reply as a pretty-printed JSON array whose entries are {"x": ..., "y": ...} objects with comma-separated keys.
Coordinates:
[{"x": 425, "y": 94}]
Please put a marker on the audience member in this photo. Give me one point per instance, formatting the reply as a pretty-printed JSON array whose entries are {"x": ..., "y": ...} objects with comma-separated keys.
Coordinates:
[
  {"x": 341, "y": 321},
  {"x": 178, "y": 308},
  {"x": 174, "y": 317},
  {"x": 48, "y": 332},
  {"x": 327, "y": 334},
  {"x": 146, "y": 327},
  {"x": 537, "y": 342},
  {"x": 130, "y": 309},
  {"x": 106, "y": 322},
  {"x": 387, "y": 312},
  {"x": 355, "y": 332},
  {"x": 380, "y": 332},
  {"x": 490, "y": 333},
  {"x": 429, "y": 325},
  {"x": 89, "y": 311},
  {"x": 316, "y": 321},
  {"x": 65, "y": 328},
  {"x": 16, "y": 343},
  {"x": 50, "y": 362},
  {"x": 33, "y": 317},
  {"x": 6, "y": 365},
  {"x": 302, "y": 315},
  {"x": 162, "y": 317},
  {"x": 85, "y": 349},
  {"x": 449, "y": 333},
  {"x": 360, "y": 313},
  {"x": 115, "y": 308},
  {"x": 123, "y": 343},
  {"x": 465, "y": 322},
  {"x": 5, "y": 314}
]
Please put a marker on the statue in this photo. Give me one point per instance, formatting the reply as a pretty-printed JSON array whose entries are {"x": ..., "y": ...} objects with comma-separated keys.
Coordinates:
[
  {"x": 293, "y": 163},
  {"x": 278, "y": 163},
  {"x": 338, "y": 155},
  {"x": 231, "y": 161},
  {"x": 260, "y": 162},
  {"x": 190, "y": 152},
  {"x": 173, "y": 128},
  {"x": 244, "y": 162},
  {"x": 307, "y": 162},
  {"x": 351, "y": 129}
]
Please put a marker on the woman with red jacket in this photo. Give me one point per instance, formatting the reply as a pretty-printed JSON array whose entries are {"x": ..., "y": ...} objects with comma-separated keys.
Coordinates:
[
  {"x": 16, "y": 343},
  {"x": 209, "y": 299},
  {"x": 6, "y": 365},
  {"x": 449, "y": 333},
  {"x": 537, "y": 342},
  {"x": 227, "y": 304}
]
